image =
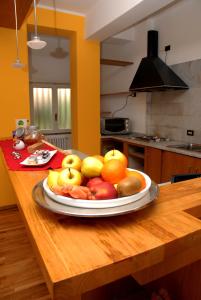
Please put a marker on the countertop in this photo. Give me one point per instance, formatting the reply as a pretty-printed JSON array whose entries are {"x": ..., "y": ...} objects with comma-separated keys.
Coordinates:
[
  {"x": 77, "y": 255},
  {"x": 132, "y": 138}
]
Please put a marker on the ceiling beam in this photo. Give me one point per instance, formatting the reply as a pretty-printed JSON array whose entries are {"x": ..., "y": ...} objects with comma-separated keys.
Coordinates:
[
  {"x": 7, "y": 12},
  {"x": 107, "y": 18}
]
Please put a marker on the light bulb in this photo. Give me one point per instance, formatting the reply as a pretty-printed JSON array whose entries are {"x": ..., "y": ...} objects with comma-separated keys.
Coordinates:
[
  {"x": 17, "y": 64},
  {"x": 36, "y": 43}
]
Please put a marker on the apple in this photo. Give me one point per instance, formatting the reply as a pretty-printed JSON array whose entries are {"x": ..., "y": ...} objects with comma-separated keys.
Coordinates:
[
  {"x": 103, "y": 190},
  {"x": 91, "y": 167},
  {"x": 52, "y": 179},
  {"x": 69, "y": 176},
  {"x": 116, "y": 154},
  {"x": 93, "y": 181},
  {"x": 71, "y": 161}
]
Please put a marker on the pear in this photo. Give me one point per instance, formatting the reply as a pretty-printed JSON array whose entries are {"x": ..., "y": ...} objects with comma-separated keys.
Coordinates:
[
  {"x": 52, "y": 179},
  {"x": 129, "y": 186}
]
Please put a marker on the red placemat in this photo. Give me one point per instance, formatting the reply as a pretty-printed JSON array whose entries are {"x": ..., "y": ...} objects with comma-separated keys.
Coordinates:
[{"x": 14, "y": 164}]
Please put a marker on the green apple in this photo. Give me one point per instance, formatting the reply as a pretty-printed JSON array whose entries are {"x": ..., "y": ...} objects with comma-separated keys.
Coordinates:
[
  {"x": 91, "y": 167},
  {"x": 72, "y": 161},
  {"x": 69, "y": 176},
  {"x": 52, "y": 179},
  {"x": 116, "y": 154}
]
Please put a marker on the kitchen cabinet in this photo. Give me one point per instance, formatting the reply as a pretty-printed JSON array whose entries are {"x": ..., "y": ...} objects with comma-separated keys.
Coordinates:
[
  {"x": 152, "y": 163},
  {"x": 174, "y": 163},
  {"x": 145, "y": 159},
  {"x": 159, "y": 164},
  {"x": 135, "y": 155}
]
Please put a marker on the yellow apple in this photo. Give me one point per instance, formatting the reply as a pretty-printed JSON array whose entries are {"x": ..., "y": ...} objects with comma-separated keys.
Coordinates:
[
  {"x": 69, "y": 176},
  {"x": 72, "y": 161},
  {"x": 52, "y": 179},
  {"x": 116, "y": 154},
  {"x": 91, "y": 167}
]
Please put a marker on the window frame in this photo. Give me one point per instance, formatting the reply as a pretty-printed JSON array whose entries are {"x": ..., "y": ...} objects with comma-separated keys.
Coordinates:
[{"x": 54, "y": 87}]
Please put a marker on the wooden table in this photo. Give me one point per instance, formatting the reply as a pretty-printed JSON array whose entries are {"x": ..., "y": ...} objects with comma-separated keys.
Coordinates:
[{"x": 78, "y": 255}]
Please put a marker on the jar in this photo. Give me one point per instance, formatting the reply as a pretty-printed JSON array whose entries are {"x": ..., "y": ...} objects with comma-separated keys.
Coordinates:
[{"x": 32, "y": 135}]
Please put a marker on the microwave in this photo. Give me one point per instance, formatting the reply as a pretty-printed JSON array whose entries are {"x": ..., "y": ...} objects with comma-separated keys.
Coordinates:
[{"x": 115, "y": 126}]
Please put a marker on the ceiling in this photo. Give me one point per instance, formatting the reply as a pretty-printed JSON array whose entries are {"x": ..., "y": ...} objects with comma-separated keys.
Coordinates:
[
  {"x": 75, "y": 6},
  {"x": 7, "y": 12}
]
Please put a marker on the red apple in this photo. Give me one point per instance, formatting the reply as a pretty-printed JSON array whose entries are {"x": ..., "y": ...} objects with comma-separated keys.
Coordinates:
[
  {"x": 103, "y": 190},
  {"x": 93, "y": 181}
]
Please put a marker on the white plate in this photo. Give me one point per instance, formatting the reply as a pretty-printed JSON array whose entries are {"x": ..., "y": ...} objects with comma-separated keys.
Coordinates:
[
  {"x": 43, "y": 200},
  {"x": 98, "y": 203},
  {"x": 44, "y": 161}
]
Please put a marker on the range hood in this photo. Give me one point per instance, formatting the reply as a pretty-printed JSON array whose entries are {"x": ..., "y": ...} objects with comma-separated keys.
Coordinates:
[{"x": 153, "y": 74}]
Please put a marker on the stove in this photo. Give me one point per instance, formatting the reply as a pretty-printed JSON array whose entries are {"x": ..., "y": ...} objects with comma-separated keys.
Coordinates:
[{"x": 151, "y": 138}]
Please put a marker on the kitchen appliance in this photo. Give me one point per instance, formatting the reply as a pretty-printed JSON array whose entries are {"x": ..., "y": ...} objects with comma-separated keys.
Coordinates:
[
  {"x": 153, "y": 74},
  {"x": 110, "y": 126},
  {"x": 151, "y": 138}
]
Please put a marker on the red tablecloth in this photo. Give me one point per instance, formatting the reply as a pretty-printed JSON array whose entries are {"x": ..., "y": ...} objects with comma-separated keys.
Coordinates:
[{"x": 14, "y": 164}]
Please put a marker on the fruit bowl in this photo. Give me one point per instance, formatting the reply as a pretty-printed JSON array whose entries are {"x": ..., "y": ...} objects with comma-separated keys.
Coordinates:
[{"x": 99, "y": 203}]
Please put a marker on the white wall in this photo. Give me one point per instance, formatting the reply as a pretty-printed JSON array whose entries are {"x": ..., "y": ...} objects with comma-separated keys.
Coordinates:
[{"x": 179, "y": 26}]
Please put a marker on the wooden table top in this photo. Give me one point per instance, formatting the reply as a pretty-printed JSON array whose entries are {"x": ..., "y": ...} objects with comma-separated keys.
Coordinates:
[{"x": 78, "y": 255}]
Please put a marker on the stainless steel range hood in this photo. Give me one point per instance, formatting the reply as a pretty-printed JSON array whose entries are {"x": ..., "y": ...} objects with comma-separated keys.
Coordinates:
[{"x": 153, "y": 74}]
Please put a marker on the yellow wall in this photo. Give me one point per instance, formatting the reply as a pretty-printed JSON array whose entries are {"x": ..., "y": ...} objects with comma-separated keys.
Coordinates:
[
  {"x": 14, "y": 97},
  {"x": 85, "y": 83},
  {"x": 14, "y": 91}
]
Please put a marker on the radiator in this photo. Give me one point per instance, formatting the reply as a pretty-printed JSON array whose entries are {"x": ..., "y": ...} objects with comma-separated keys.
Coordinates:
[{"x": 60, "y": 140}]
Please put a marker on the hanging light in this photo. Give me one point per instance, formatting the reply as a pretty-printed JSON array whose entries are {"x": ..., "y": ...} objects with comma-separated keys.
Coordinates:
[
  {"x": 17, "y": 64},
  {"x": 58, "y": 52},
  {"x": 36, "y": 42}
]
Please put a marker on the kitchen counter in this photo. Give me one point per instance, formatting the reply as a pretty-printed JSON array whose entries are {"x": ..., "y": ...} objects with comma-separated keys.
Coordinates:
[
  {"x": 162, "y": 145},
  {"x": 77, "y": 255}
]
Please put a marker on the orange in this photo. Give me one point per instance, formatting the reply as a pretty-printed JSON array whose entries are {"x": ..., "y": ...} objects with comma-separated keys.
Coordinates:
[
  {"x": 137, "y": 175},
  {"x": 100, "y": 157},
  {"x": 113, "y": 171}
]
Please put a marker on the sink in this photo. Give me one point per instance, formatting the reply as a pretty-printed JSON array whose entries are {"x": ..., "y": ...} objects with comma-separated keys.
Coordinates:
[{"x": 190, "y": 147}]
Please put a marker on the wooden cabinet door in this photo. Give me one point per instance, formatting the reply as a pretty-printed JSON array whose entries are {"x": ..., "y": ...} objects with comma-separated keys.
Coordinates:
[
  {"x": 174, "y": 163},
  {"x": 152, "y": 164},
  {"x": 196, "y": 165}
]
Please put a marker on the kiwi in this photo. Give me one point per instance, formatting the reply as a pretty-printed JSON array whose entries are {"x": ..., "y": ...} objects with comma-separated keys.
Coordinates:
[{"x": 129, "y": 186}]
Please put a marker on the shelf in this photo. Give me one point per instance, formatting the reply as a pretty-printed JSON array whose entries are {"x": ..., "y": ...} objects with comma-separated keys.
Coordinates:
[
  {"x": 136, "y": 154},
  {"x": 115, "y": 94},
  {"x": 112, "y": 62}
]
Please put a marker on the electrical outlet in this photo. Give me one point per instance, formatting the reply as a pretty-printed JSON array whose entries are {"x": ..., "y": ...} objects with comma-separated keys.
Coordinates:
[
  {"x": 190, "y": 132},
  {"x": 167, "y": 48}
]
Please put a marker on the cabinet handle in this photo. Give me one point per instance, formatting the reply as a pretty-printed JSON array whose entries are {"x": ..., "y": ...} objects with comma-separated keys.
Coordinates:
[
  {"x": 196, "y": 170},
  {"x": 55, "y": 117}
]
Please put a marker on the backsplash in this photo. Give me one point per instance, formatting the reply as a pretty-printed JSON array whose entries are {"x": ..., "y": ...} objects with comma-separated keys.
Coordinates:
[{"x": 172, "y": 113}]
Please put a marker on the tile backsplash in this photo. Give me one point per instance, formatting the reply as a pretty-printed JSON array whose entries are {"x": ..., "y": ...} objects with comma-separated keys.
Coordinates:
[{"x": 172, "y": 113}]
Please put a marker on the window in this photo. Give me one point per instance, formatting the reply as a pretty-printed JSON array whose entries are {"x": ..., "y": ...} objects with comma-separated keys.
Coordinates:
[{"x": 51, "y": 107}]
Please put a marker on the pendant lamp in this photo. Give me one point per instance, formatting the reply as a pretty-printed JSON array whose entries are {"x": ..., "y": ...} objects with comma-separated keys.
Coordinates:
[
  {"x": 17, "y": 64},
  {"x": 36, "y": 43},
  {"x": 58, "y": 52}
]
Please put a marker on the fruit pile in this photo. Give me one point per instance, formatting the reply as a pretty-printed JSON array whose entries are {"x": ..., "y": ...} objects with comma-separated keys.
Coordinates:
[{"x": 96, "y": 177}]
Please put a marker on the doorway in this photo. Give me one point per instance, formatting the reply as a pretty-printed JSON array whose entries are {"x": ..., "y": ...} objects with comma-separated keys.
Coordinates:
[{"x": 50, "y": 90}]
